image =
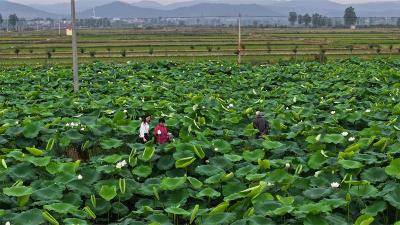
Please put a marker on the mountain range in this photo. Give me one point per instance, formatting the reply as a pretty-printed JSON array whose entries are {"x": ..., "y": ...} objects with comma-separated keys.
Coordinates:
[{"x": 146, "y": 8}]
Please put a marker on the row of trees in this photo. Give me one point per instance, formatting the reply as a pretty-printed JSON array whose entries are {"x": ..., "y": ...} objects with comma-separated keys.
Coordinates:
[
  {"x": 317, "y": 20},
  {"x": 12, "y": 20}
]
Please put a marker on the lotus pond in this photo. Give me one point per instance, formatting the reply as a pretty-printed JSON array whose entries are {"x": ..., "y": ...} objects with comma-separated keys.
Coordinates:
[{"x": 332, "y": 156}]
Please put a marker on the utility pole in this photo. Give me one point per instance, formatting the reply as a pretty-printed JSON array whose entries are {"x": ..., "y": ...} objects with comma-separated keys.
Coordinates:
[
  {"x": 239, "y": 50},
  {"x": 74, "y": 48},
  {"x": 59, "y": 27}
]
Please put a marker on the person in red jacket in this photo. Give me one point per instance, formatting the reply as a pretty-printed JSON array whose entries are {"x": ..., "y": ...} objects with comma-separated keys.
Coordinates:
[{"x": 161, "y": 132}]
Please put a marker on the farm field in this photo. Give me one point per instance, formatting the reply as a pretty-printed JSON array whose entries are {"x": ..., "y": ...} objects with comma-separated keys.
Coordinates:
[
  {"x": 197, "y": 44},
  {"x": 332, "y": 156}
]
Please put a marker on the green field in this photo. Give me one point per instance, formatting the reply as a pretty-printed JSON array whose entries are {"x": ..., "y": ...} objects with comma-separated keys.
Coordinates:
[
  {"x": 197, "y": 44},
  {"x": 332, "y": 156}
]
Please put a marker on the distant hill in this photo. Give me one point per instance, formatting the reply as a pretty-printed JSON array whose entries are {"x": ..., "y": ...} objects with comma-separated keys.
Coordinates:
[
  {"x": 22, "y": 11},
  {"x": 149, "y": 4},
  {"x": 122, "y": 9},
  {"x": 387, "y": 9},
  {"x": 219, "y": 9}
]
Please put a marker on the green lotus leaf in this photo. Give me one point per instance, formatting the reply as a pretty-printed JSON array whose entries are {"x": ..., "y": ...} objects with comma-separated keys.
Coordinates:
[
  {"x": 112, "y": 159},
  {"x": 39, "y": 161},
  {"x": 393, "y": 198},
  {"x": 333, "y": 138},
  {"x": 233, "y": 158},
  {"x": 119, "y": 209},
  {"x": 254, "y": 155},
  {"x": 48, "y": 193},
  {"x": 148, "y": 153},
  {"x": 350, "y": 164},
  {"x": 393, "y": 169},
  {"x": 198, "y": 150},
  {"x": 375, "y": 208},
  {"x": 62, "y": 208},
  {"x": 32, "y": 129},
  {"x": 185, "y": 162},
  {"x": 3, "y": 140},
  {"x": 177, "y": 211},
  {"x": 142, "y": 171},
  {"x": 364, "y": 220},
  {"x": 222, "y": 146},
  {"x": 165, "y": 162},
  {"x": 208, "y": 170},
  {"x": 196, "y": 184},
  {"x": 280, "y": 176},
  {"x": 317, "y": 193},
  {"x": 29, "y": 217},
  {"x": 131, "y": 128},
  {"x": 108, "y": 192},
  {"x": 14, "y": 131},
  {"x": 74, "y": 136},
  {"x": 208, "y": 192},
  {"x": 220, "y": 218},
  {"x": 160, "y": 219},
  {"x": 270, "y": 145},
  {"x": 314, "y": 220},
  {"x": 18, "y": 191},
  {"x": 364, "y": 191},
  {"x": 374, "y": 175},
  {"x": 74, "y": 221},
  {"x": 111, "y": 143},
  {"x": 168, "y": 183},
  {"x": 316, "y": 160}
]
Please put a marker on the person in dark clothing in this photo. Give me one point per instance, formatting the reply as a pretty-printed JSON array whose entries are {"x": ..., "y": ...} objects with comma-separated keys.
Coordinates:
[{"x": 261, "y": 124}]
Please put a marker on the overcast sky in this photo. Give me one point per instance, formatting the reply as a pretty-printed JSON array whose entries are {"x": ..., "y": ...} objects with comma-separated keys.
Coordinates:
[{"x": 170, "y": 1}]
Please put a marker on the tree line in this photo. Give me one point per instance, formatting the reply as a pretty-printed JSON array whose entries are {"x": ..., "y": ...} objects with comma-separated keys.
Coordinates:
[
  {"x": 12, "y": 20},
  {"x": 317, "y": 20}
]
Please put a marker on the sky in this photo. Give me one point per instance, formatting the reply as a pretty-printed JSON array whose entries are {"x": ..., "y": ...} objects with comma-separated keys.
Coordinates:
[{"x": 171, "y": 1}]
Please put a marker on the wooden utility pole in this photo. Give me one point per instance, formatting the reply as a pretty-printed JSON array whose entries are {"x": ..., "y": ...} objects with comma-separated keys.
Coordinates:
[
  {"x": 74, "y": 48},
  {"x": 239, "y": 50},
  {"x": 59, "y": 28}
]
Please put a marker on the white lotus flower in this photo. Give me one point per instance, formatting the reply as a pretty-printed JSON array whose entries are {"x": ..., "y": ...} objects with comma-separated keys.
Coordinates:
[
  {"x": 294, "y": 99},
  {"x": 269, "y": 184},
  {"x": 335, "y": 185},
  {"x": 368, "y": 111},
  {"x": 318, "y": 138},
  {"x": 8, "y": 223},
  {"x": 316, "y": 174},
  {"x": 121, "y": 164},
  {"x": 207, "y": 161},
  {"x": 287, "y": 165},
  {"x": 80, "y": 177},
  {"x": 216, "y": 149},
  {"x": 333, "y": 112},
  {"x": 159, "y": 132},
  {"x": 324, "y": 154},
  {"x": 16, "y": 122},
  {"x": 345, "y": 134},
  {"x": 231, "y": 105},
  {"x": 125, "y": 111},
  {"x": 82, "y": 129},
  {"x": 352, "y": 139},
  {"x": 67, "y": 125}
]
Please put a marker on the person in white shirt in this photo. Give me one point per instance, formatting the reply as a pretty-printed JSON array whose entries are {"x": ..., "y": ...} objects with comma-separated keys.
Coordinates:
[{"x": 144, "y": 131}]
